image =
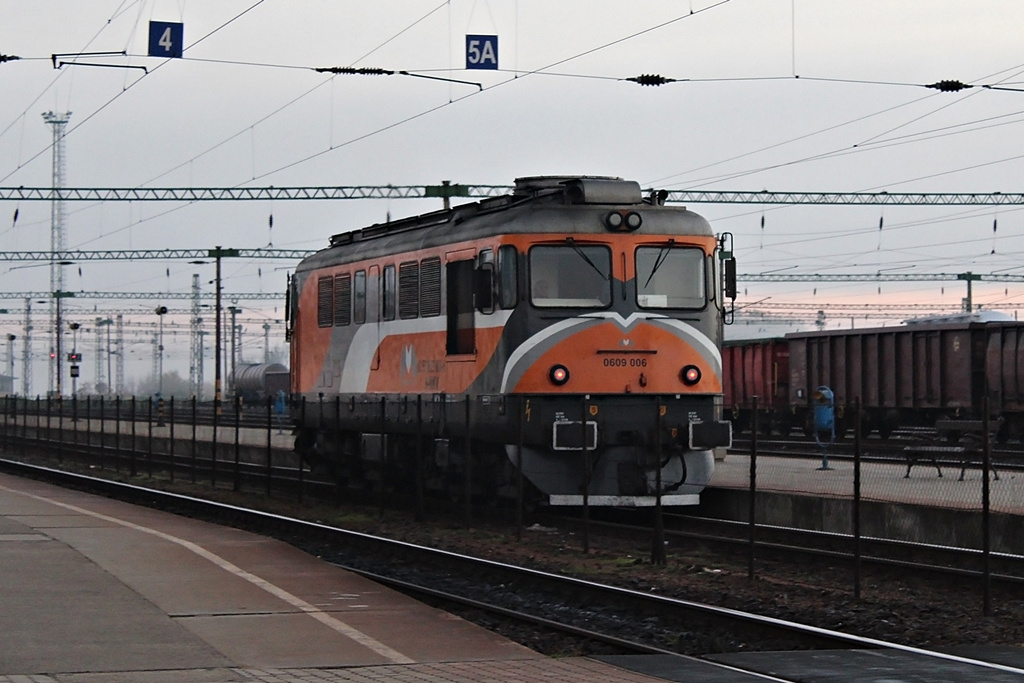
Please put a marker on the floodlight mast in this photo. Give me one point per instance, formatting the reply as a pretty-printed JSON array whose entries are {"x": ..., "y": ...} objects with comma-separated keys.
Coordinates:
[{"x": 58, "y": 240}]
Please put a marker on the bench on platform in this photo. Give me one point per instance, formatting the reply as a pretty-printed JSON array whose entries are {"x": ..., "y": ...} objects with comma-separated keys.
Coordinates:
[{"x": 961, "y": 439}]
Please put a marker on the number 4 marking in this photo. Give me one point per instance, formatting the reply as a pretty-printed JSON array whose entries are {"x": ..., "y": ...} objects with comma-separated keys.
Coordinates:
[{"x": 166, "y": 42}]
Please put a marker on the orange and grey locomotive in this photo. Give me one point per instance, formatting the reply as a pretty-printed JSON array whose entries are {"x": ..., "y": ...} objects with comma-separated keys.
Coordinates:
[{"x": 569, "y": 332}]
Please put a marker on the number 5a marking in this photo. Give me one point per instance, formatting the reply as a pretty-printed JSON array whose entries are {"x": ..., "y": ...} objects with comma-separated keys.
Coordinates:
[{"x": 481, "y": 52}]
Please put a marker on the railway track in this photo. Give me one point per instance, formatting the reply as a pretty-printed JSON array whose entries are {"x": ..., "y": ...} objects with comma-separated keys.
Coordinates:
[
  {"x": 288, "y": 480},
  {"x": 630, "y": 621}
]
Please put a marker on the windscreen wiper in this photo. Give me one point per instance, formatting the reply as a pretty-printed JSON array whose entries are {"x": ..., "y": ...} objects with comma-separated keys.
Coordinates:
[
  {"x": 572, "y": 243},
  {"x": 662, "y": 255}
]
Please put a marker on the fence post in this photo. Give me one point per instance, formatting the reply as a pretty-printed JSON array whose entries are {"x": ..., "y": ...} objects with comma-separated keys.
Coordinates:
[
  {"x": 60, "y": 429},
  {"x": 338, "y": 450},
  {"x": 586, "y": 474},
  {"x": 381, "y": 493},
  {"x": 103, "y": 433},
  {"x": 149, "y": 450},
  {"x": 170, "y": 443},
  {"x": 270, "y": 445},
  {"x": 467, "y": 503},
  {"x": 519, "y": 469},
  {"x": 133, "y": 461},
  {"x": 88, "y": 426},
  {"x": 986, "y": 539},
  {"x": 857, "y": 446},
  {"x": 419, "y": 457},
  {"x": 237, "y": 486},
  {"x": 194, "y": 421},
  {"x": 213, "y": 444},
  {"x": 752, "y": 512},
  {"x": 658, "y": 545},
  {"x": 48, "y": 439},
  {"x": 302, "y": 409},
  {"x": 117, "y": 433}
]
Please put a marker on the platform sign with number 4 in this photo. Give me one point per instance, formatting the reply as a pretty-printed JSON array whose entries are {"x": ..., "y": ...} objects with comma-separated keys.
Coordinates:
[
  {"x": 166, "y": 38},
  {"x": 481, "y": 52}
]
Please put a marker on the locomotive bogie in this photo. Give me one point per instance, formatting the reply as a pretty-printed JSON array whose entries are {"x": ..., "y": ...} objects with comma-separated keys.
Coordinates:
[{"x": 485, "y": 327}]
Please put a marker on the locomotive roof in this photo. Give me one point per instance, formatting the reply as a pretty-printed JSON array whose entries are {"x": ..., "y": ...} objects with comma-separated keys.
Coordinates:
[{"x": 532, "y": 196}]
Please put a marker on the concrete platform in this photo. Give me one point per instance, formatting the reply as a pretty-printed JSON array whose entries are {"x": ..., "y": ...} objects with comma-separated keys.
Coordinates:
[{"x": 94, "y": 590}]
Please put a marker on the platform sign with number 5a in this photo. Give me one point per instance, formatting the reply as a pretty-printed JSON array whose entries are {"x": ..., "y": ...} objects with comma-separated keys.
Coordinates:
[
  {"x": 165, "y": 39},
  {"x": 481, "y": 52}
]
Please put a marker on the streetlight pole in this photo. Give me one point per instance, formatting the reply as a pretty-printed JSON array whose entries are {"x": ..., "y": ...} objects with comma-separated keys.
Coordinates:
[{"x": 217, "y": 253}]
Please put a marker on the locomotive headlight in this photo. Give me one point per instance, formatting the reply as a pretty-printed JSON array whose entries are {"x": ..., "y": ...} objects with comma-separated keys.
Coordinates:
[
  {"x": 558, "y": 374},
  {"x": 614, "y": 220},
  {"x": 690, "y": 375},
  {"x": 633, "y": 220}
]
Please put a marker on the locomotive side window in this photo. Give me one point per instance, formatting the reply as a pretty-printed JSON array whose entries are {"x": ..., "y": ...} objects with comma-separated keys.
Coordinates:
[
  {"x": 343, "y": 299},
  {"x": 325, "y": 301},
  {"x": 359, "y": 298},
  {"x": 670, "y": 277},
  {"x": 430, "y": 287},
  {"x": 570, "y": 276},
  {"x": 390, "y": 294},
  {"x": 483, "y": 297},
  {"x": 408, "y": 289},
  {"x": 508, "y": 280}
]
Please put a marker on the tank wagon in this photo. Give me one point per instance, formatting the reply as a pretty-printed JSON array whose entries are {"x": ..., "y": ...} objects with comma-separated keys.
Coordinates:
[
  {"x": 569, "y": 331},
  {"x": 908, "y": 375},
  {"x": 255, "y": 382}
]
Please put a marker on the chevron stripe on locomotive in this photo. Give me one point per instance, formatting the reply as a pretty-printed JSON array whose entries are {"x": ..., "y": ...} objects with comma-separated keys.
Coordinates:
[{"x": 570, "y": 331}]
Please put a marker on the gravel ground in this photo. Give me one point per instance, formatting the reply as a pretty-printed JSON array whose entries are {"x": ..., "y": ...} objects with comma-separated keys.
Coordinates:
[{"x": 895, "y": 605}]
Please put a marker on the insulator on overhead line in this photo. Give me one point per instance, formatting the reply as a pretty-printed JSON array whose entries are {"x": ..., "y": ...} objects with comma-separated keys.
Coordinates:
[
  {"x": 949, "y": 86},
  {"x": 651, "y": 79},
  {"x": 362, "y": 71},
  {"x": 9, "y": 58}
]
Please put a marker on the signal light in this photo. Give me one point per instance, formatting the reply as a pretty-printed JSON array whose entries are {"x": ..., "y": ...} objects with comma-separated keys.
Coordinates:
[
  {"x": 559, "y": 375},
  {"x": 690, "y": 375}
]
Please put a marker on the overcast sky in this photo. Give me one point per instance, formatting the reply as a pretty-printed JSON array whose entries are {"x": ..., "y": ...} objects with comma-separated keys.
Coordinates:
[{"x": 784, "y": 95}]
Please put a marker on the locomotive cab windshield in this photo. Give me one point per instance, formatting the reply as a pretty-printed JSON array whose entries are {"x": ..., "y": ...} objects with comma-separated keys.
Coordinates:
[
  {"x": 570, "y": 276},
  {"x": 670, "y": 277}
]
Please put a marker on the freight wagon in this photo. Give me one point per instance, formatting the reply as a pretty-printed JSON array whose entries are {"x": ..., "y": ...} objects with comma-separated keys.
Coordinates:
[{"x": 909, "y": 375}]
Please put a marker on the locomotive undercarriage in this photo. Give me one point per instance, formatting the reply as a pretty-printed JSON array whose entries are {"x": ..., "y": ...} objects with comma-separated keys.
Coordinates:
[{"x": 636, "y": 446}]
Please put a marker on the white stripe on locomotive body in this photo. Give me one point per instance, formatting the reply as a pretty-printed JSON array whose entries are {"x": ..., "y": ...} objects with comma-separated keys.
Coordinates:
[
  {"x": 532, "y": 348},
  {"x": 535, "y": 346},
  {"x": 355, "y": 377}
]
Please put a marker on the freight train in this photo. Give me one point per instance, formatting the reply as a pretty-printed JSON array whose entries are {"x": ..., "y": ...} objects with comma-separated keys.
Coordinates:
[
  {"x": 906, "y": 375},
  {"x": 563, "y": 339}
]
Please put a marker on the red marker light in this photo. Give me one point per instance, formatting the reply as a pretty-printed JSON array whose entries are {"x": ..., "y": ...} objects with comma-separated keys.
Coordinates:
[
  {"x": 690, "y": 375},
  {"x": 559, "y": 375}
]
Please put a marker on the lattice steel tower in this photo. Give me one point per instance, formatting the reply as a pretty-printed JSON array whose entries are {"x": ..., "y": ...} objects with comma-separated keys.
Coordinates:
[
  {"x": 58, "y": 237},
  {"x": 195, "y": 374}
]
